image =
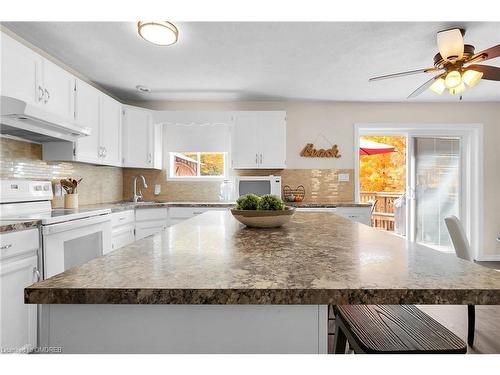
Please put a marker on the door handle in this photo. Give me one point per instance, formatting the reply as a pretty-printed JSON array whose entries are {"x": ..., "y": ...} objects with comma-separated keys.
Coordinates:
[
  {"x": 40, "y": 93},
  {"x": 47, "y": 96},
  {"x": 37, "y": 274}
]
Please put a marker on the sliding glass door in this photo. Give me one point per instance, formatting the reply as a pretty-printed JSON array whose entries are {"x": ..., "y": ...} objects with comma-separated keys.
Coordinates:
[{"x": 435, "y": 184}]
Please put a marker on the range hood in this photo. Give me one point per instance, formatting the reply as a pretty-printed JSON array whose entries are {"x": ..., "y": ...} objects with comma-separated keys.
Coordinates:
[{"x": 24, "y": 120}]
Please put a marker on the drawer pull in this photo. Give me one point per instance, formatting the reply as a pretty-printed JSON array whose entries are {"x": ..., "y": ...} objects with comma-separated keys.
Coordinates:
[
  {"x": 122, "y": 218},
  {"x": 197, "y": 212},
  {"x": 6, "y": 246}
]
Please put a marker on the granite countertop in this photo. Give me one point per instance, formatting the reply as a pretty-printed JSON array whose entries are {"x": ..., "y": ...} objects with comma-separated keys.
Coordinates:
[
  {"x": 17, "y": 225},
  {"x": 326, "y": 204},
  {"x": 316, "y": 258},
  {"x": 125, "y": 205}
]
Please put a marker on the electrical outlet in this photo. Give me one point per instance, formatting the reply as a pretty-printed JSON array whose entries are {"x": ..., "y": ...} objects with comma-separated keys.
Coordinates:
[
  {"x": 343, "y": 177},
  {"x": 157, "y": 189}
]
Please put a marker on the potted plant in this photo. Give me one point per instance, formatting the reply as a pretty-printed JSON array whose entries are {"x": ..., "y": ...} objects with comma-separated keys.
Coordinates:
[
  {"x": 70, "y": 186},
  {"x": 267, "y": 211}
]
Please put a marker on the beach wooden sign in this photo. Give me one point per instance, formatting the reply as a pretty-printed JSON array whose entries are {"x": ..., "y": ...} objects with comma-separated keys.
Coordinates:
[{"x": 310, "y": 152}]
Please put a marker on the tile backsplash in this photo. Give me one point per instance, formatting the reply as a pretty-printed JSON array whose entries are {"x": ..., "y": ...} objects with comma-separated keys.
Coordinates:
[
  {"x": 321, "y": 185},
  {"x": 23, "y": 160}
]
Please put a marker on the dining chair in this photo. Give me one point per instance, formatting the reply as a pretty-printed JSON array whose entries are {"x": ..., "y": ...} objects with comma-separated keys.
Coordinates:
[{"x": 462, "y": 250}]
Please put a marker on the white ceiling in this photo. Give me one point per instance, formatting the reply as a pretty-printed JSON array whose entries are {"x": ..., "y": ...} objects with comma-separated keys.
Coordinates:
[{"x": 259, "y": 61}]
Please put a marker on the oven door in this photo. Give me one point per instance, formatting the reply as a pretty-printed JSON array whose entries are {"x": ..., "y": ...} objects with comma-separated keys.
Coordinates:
[{"x": 75, "y": 242}]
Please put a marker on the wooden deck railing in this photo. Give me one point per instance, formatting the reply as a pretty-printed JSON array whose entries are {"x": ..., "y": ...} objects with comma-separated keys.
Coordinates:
[{"x": 383, "y": 213}]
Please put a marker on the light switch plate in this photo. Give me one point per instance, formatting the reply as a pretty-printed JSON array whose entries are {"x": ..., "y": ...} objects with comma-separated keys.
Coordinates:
[
  {"x": 343, "y": 177},
  {"x": 157, "y": 189}
]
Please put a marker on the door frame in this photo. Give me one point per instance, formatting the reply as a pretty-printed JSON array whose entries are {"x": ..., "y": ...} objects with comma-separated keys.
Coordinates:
[{"x": 471, "y": 135}]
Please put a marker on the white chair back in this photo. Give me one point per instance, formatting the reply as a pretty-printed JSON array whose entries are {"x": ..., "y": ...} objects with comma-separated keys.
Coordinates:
[{"x": 458, "y": 237}]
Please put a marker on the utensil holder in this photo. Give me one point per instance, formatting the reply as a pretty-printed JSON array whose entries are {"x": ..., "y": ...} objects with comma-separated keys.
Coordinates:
[{"x": 71, "y": 201}]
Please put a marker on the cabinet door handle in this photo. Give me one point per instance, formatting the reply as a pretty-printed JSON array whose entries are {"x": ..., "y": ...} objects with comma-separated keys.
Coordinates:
[
  {"x": 99, "y": 153},
  {"x": 4, "y": 247},
  {"x": 256, "y": 159},
  {"x": 40, "y": 93},
  {"x": 150, "y": 158},
  {"x": 47, "y": 96},
  {"x": 37, "y": 274},
  {"x": 260, "y": 158},
  {"x": 104, "y": 152}
]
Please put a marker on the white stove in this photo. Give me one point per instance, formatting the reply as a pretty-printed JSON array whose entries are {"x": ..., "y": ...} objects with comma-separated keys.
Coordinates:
[{"x": 70, "y": 237}]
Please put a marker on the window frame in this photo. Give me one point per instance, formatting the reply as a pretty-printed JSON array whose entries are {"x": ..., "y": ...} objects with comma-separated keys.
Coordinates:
[{"x": 170, "y": 171}]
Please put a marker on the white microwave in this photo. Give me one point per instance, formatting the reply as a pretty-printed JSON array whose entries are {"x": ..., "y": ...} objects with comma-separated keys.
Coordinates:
[{"x": 258, "y": 185}]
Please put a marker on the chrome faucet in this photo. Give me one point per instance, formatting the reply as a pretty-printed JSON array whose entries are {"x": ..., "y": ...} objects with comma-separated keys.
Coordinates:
[{"x": 139, "y": 196}]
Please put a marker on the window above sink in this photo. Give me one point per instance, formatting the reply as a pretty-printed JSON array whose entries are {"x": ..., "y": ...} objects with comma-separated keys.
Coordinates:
[{"x": 200, "y": 166}]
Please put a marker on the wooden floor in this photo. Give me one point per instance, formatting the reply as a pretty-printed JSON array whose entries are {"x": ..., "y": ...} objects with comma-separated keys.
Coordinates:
[{"x": 454, "y": 317}]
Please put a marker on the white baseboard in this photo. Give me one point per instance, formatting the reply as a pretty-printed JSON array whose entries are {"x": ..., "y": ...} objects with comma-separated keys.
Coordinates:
[{"x": 489, "y": 258}]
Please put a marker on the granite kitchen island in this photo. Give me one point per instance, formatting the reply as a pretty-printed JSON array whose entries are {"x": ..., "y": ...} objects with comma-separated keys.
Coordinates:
[{"x": 209, "y": 284}]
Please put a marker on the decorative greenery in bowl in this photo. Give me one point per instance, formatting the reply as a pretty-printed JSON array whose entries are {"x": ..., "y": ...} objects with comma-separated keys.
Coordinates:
[{"x": 267, "y": 211}]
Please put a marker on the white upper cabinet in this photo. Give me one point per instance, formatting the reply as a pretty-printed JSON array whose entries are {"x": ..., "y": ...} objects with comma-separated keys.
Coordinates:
[
  {"x": 28, "y": 76},
  {"x": 273, "y": 140},
  {"x": 21, "y": 72},
  {"x": 138, "y": 138},
  {"x": 259, "y": 140},
  {"x": 100, "y": 113},
  {"x": 110, "y": 126},
  {"x": 87, "y": 115},
  {"x": 58, "y": 88}
]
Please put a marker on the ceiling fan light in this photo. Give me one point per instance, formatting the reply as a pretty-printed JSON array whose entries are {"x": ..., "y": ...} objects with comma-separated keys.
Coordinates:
[
  {"x": 161, "y": 33},
  {"x": 458, "y": 89},
  {"x": 438, "y": 86},
  {"x": 450, "y": 44},
  {"x": 472, "y": 77},
  {"x": 453, "y": 79}
]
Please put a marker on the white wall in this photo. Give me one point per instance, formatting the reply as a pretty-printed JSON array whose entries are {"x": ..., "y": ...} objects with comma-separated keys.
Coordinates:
[{"x": 305, "y": 120}]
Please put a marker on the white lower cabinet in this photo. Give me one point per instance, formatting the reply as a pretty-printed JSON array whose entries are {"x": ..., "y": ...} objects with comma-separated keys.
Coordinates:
[
  {"x": 149, "y": 221},
  {"x": 179, "y": 214},
  {"x": 359, "y": 214},
  {"x": 133, "y": 225},
  {"x": 18, "y": 269},
  {"x": 122, "y": 229}
]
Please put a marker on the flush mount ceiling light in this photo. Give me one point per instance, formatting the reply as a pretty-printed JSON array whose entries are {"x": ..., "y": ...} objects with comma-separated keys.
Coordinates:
[
  {"x": 161, "y": 33},
  {"x": 456, "y": 66}
]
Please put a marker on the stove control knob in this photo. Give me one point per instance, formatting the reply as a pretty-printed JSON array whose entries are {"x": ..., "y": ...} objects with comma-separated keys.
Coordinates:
[{"x": 38, "y": 187}]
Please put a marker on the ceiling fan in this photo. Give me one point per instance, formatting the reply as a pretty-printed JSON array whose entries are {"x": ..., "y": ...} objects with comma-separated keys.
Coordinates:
[{"x": 455, "y": 64}]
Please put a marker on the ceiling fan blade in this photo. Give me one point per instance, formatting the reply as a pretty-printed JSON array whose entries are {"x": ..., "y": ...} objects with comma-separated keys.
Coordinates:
[
  {"x": 487, "y": 54},
  {"x": 491, "y": 73},
  {"x": 451, "y": 44},
  {"x": 402, "y": 74},
  {"x": 423, "y": 87}
]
